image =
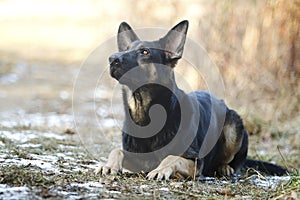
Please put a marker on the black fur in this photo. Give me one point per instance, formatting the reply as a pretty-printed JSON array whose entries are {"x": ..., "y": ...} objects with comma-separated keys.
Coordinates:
[{"x": 266, "y": 167}]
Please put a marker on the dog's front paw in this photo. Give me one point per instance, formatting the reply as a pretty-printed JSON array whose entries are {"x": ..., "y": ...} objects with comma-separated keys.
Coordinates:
[
  {"x": 105, "y": 170},
  {"x": 173, "y": 165},
  {"x": 225, "y": 170},
  {"x": 114, "y": 163},
  {"x": 160, "y": 173}
]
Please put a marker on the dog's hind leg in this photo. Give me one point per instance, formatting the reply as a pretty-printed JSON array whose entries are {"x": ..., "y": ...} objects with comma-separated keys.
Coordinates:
[
  {"x": 173, "y": 165},
  {"x": 231, "y": 145},
  {"x": 240, "y": 157},
  {"x": 114, "y": 163}
]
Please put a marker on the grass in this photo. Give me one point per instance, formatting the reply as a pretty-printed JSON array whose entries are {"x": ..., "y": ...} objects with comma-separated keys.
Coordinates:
[
  {"x": 75, "y": 176},
  {"x": 136, "y": 186}
]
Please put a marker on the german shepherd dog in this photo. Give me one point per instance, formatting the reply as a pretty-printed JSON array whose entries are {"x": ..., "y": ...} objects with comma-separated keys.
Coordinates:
[{"x": 200, "y": 135}]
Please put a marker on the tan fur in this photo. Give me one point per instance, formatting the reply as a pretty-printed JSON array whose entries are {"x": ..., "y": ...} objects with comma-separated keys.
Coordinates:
[
  {"x": 225, "y": 170},
  {"x": 114, "y": 163},
  {"x": 131, "y": 104},
  {"x": 230, "y": 135},
  {"x": 232, "y": 144},
  {"x": 173, "y": 165}
]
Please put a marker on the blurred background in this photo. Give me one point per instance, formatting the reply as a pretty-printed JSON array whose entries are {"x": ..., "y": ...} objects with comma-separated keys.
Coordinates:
[{"x": 255, "y": 44}]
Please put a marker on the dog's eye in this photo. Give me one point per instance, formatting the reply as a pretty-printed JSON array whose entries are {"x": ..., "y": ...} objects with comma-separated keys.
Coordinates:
[{"x": 145, "y": 52}]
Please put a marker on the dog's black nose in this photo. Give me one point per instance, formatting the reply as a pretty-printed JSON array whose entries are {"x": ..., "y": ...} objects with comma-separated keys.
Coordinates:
[{"x": 114, "y": 60}]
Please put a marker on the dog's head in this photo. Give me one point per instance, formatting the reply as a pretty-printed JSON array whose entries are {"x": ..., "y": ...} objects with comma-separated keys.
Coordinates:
[{"x": 146, "y": 61}]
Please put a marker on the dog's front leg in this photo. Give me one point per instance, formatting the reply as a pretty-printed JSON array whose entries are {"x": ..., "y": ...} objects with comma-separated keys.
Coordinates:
[
  {"x": 173, "y": 165},
  {"x": 114, "y": 163}
]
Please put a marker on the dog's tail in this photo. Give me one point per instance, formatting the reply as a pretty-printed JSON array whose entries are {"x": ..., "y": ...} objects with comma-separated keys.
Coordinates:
[{"x": 266, "y": 167}]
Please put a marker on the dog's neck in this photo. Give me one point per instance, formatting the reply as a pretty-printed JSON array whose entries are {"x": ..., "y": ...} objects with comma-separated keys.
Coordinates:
[{"x": 140, "y": 101}]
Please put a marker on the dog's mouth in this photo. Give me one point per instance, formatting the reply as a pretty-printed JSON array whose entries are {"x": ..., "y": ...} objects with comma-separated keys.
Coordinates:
[
  {"x": 120, "y": 75},
  {"x": 116, "y": 70},
  {"x": 115, "y": 73}
]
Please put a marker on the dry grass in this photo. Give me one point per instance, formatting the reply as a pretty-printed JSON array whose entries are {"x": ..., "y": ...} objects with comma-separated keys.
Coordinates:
[{"x": 73, "y": 175}]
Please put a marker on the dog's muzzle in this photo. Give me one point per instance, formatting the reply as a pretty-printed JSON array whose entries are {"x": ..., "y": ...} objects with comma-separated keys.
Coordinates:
[
  {"x": 115, "y": 66},
  {"x": 118, "y": 70}
]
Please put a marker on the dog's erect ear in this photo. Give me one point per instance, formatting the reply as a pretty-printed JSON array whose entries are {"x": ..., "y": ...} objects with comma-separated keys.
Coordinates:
[
  {"x": 125, "y": 36},
  {"x": 173, "y": 42}
]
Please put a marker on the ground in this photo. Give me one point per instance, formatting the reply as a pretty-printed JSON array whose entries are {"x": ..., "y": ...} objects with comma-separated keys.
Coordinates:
[{"x": 39, "y": 164}]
